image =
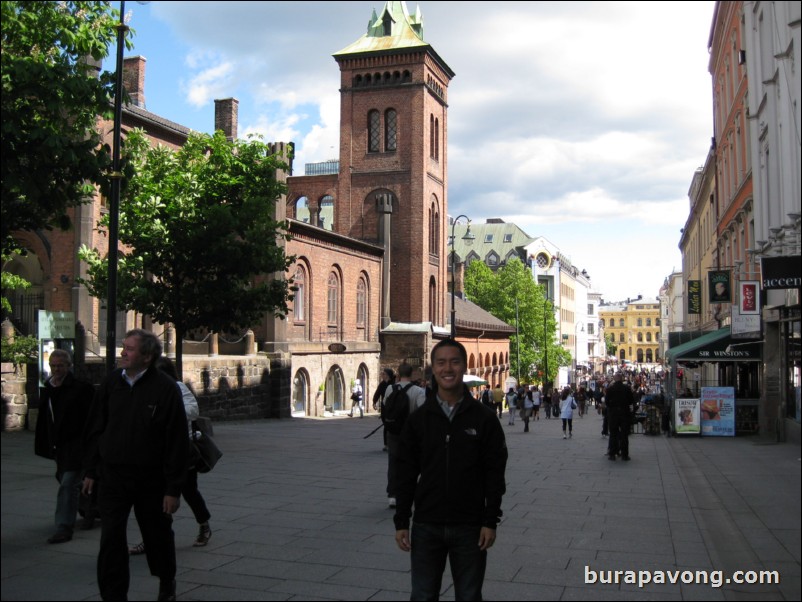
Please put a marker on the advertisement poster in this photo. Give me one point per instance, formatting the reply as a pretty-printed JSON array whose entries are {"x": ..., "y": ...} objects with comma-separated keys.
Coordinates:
[
  {"x": 719, "y": 286},
  {"x": 749, "y": 297},
  {"x": 686, "y": 417},
  {"x": 694, "y": 297},
  {"x": 718, "y": 411}
]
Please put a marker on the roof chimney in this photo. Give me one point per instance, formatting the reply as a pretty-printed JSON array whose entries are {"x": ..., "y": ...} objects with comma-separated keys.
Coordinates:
[
  {"x": 134, "y": 79},
  {"x": 226, "y": 111}
]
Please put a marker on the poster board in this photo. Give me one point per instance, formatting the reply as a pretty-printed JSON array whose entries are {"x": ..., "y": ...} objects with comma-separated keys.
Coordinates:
[
  {"x": 686, "y": 416},
  {"x": 717, "y": 410}
]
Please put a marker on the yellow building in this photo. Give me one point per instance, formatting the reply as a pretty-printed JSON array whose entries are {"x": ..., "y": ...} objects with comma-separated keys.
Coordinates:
[{"x": 634, "y": 327}]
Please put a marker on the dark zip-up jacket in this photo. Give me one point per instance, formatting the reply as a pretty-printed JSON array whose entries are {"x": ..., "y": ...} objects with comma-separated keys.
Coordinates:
[
  {"x": 453, "y": 471},
  {"x": 143, "y": 425},
  {"x": 63, "y": 412}
]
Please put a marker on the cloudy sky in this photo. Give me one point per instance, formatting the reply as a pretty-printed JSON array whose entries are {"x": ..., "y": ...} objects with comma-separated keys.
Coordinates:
[{"x": 579, "y": 121}]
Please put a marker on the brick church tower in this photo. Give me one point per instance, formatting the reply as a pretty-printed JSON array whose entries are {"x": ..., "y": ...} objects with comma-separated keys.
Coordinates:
[{"x": 393, "y": 177}]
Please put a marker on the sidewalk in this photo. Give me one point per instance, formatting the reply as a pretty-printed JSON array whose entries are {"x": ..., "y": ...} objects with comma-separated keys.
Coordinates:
[{"x": 299, "y": 513}]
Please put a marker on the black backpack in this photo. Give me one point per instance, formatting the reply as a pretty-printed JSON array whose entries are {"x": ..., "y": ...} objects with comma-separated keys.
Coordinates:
[{"x": 395, "y": 409}]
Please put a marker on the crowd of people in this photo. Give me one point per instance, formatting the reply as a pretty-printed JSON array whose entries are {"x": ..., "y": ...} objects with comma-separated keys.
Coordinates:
[{"x": 127, "y": 446}]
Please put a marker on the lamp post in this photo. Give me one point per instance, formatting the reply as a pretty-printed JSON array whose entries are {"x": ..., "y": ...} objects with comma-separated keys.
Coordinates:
[
  {"x": 468, "y": 238},
  {"x": 546, "y": 303},
  {"x": 576, "y": 349},
  {"x": 114, "y": 200}
]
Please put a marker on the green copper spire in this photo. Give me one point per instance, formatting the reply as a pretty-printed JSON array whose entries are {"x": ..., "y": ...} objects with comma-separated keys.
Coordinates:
[{"x": 392, "y": 29}]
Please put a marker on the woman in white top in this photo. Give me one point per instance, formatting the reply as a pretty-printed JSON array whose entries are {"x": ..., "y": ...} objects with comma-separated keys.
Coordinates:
[{"x": 567, "y": 407}]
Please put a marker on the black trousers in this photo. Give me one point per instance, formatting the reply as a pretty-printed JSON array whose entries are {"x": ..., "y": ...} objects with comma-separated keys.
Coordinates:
[
  {"x": 619, "y": 434},
  {"x": 120, "y": 489},
  {"x": 194, "y": 498}
]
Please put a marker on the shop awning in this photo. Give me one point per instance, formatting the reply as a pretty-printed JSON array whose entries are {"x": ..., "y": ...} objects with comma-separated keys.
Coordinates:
[{"x": 716, "y": 346}]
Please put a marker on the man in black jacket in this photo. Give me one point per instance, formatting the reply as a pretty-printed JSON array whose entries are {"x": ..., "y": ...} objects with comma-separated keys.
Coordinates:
[
  {"x": 451, "y": 466},
  {"x": 138, "y": 448},
  {"x": 63, "y": 409},
  {"x": 620, "y": 402}
]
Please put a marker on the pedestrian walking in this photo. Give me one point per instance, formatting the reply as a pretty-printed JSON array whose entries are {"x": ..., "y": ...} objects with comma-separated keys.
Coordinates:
[
  {"x": 63, "y": 409},
  {"x": 567, "y": 407},
  {"x": 526, "y": 410},
  {"x": 189, "y": 491},
  {"x": 512, "y": 404}
]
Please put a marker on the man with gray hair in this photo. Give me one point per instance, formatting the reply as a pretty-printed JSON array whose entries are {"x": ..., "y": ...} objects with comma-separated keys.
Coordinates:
[
  {"x": 138, "y": 449},
  {"x": 63, "y": 408}
]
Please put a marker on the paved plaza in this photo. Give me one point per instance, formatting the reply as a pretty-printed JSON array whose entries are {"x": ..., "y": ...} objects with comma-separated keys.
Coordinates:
[{"x": 299, "y": 513}]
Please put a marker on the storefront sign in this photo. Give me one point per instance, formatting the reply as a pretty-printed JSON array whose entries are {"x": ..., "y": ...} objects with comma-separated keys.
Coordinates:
[
  {"x": 718, "y": 411},
  {"x": 719, "y": 286},
  {"x": 781, "y": 272},
  {"x": 686, "y": 417},
  {"x": 694, "y": 297}
]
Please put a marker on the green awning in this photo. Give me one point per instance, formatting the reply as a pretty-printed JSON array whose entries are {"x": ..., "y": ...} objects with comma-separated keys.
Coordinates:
[{"x": 716, "y": 346}]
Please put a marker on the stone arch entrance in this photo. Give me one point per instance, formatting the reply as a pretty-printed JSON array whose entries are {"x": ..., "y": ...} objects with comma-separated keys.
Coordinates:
[
  {"x": 335, "y": 390},
  {"x": 300, "y": 394}
]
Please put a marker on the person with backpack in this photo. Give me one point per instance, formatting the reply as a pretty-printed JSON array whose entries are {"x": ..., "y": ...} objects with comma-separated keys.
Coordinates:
[
  {"x": 400, "y": 400},
  {"x": 487, "y": 398}
]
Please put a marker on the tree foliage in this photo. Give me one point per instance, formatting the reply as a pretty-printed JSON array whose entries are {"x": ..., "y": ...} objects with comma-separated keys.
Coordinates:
[
  {"x": 51, "y": 150},
  {"x": 198, "y": 229},
  {"x": 512, "y": 295}
]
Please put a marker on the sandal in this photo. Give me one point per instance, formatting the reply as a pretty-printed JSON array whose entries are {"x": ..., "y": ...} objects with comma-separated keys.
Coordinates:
[{"x": 137, "y": 549}]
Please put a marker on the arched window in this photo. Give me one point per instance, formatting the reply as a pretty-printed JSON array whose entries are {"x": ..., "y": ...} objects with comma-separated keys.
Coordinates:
[
  {"x": 326, "y": 219},
  {"x": 621, "y": 323},
  {"x": 434, "y": 227},
  {"x": 433, "y": 301},
  {"x": 648, "y": 321},
  {"x": 333, "y": 299},
  {"x": 374, "y": 131},
  {"x": 648, "y": 337},
  {"x": 390, "y": 130},
  {"x": 302, "y": 210},
  {"x": 640, "y": 337},
  {"x": 431, "y": 136},
  {"x": 436, "y": 139},
  {"x": 361, "y": 303},
  {"x": 640, "y": 356},
  {"x": 299, "y": 297},
  {"x": 612, "y": 323},
  {"x": 648, "y": 356},
  {"x": 621, "y": 338}
]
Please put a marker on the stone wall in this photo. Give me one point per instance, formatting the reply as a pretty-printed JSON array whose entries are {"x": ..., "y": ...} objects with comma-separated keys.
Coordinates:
[
  {"x": 15, "y": 396},
  {"x": 227, "y": 387}
]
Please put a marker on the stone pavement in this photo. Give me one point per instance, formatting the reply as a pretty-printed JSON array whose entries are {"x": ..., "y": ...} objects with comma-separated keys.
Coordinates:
[{"x": 299, "y": 513}]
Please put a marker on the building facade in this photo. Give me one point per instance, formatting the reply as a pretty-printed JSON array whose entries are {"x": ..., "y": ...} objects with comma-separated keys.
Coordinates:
[{"x": 634, "y": 327}]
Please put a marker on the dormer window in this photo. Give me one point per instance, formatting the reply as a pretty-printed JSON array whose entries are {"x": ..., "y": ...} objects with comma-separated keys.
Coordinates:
[{"x": 387, "y": 24}]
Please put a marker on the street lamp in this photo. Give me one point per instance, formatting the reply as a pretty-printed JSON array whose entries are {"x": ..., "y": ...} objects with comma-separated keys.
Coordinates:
[
  {"x": 576, "y": 349},
  {"x": 468, "y": 238},
  {"x": 546, "y": 302},
  {"x": 114, "y": 200}
]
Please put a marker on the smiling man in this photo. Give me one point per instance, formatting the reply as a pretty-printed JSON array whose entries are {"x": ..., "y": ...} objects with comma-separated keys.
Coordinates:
[{"x": 451, "y": 468}]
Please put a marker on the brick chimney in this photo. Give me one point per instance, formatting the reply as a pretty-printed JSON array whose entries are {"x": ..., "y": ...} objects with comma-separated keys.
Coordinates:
[
  {"x": 134, "y": 79},
  {"x": 226, "y": 111}
]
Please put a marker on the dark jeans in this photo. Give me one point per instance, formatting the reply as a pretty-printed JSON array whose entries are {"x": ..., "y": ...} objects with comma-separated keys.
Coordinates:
[
  {"x": 431, "y": 544},
  {"x": 121, "y": 488},
  {"x": 67, "y": 500}
]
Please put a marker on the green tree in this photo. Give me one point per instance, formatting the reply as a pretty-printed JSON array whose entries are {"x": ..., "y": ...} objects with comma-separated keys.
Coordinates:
[
  {"x": 609, "y": 344},
  {"x": 200, "y": 239},
  {"x": 511, "y": 294},
  {"x": 52, "y": 156}
]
